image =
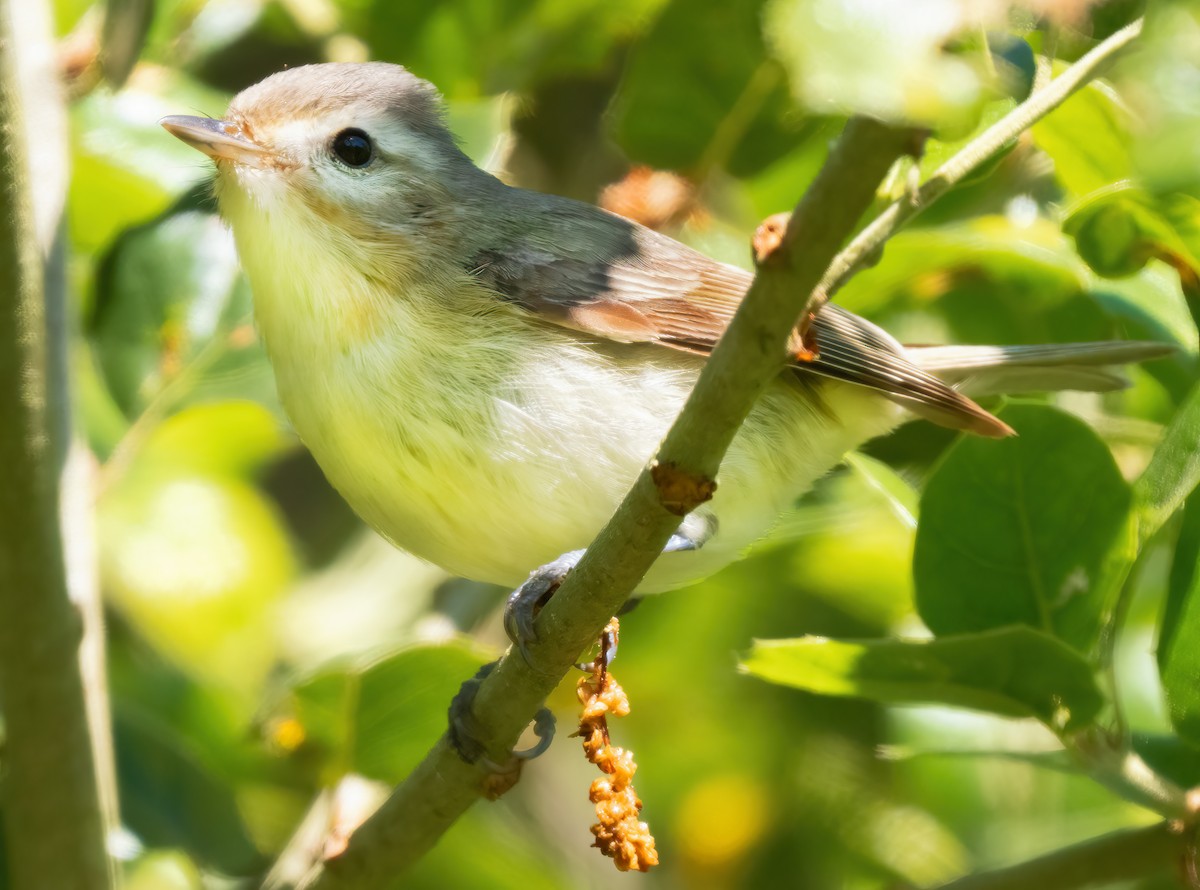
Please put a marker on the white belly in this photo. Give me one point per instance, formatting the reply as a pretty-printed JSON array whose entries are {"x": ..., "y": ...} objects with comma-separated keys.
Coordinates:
[
  {"x": 489, "y": 444},
  {"x": 490, "y": 472}
]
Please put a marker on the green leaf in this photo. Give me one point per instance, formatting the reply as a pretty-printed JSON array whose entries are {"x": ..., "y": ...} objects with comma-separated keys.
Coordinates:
[
  {"x": 684, "y": 107},
  {"x": 197, "y": 564},
  {"x": 1019, "y": 531},
  {"x": 1085, "y": 163},
  {"x": 169, "y": 798},
  {"x": 164, "y": 870},
  {"x": 1179, "y": 632},
  {"x": 883, "y": 59},
  {"x": 379, "y": 720},
  {"x": 469, "y": 48},
  {"x": 1119, "y": 228},
  {"x": 1017, "y": 672},
  {"x": 1029, "y": 278},
  {"x": 232, "y": 438},
  {"x": 896, "y": 493},
  {"x": 173, "y": 311},
  {"x": 126, "y": 24},
  {"x": 1160, "y": 77},
  {"x": 1174, "y": 470},
  {"x": 125, "y": 168}
]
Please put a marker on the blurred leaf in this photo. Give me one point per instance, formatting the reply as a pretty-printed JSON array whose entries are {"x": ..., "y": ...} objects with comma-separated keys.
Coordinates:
[
  {"x": 1159, "y": 80},
  {"x": 469, "y": 48},
  {"x": 1017, "y": 672},
  {"x": 100, "y": 418},
  {"x": 125, "y": 168},
  {"x": 216, "y": 438},
  {"x": 66, "y": 15},
  {"x": 780, "y": 183},
  {"x": 170, "y": 799},
  {"x": 1018, "y": 531},
  {"x": 899, "y": 496},
  {"x": 1085, "y": 163},
  {"x": 173, "y": 310},
  {"x": 1152, "y": 302},
  {"x": 1151, "y": 306},
  {"x": 380, "y": 720},
  {"x": 153, "y": 691},
  {"x": 488, "y": 849},
  {"x": 1170, "y": 756},
  {"x": 983, "y": 281},
  {"x": 1174, "y": 470},
  {"x": 164, "y": 870},
  {"x": 838, "y": 782},
  {"x": 875, "y": 56},
  {"x": 848, "y": 544},
  {"x": 684, "y": 106},
  {"x": 234, "y": 44},
  {"x": 197, "y": 563},
  {"x": 1119, "y": 228},
  {"x": 126, "y": 24},
  {"x": 1179, "y": 632}
]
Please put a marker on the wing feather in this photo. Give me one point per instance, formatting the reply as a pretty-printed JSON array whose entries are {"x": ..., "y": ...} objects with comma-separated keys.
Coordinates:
[{"x": 661, "y": 291}]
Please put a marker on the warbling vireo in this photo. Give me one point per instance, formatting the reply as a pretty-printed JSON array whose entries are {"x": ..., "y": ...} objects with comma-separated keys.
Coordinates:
[{"x": 482, "y": 370}]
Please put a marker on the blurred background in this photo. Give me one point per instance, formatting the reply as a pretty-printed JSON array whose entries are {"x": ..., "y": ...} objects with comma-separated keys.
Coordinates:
[{"x": 264, "y": 645}]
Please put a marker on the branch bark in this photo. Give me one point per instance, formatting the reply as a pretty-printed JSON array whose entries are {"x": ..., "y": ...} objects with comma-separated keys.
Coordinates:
[
  {"x": 54, "y": 827},
  {"x": 750, "y": 354},
  {"x": 1102, "y": 861}
]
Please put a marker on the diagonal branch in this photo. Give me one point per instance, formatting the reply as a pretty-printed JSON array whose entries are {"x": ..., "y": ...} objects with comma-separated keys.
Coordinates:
[{"x": 681, "y": 477}]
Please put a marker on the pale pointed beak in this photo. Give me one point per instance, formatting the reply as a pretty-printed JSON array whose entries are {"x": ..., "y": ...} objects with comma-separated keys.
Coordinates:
[{"x": 220, "y": 140}]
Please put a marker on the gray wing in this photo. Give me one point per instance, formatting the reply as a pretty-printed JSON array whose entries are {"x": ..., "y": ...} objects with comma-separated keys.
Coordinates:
[{"x": 629, "y": 284}]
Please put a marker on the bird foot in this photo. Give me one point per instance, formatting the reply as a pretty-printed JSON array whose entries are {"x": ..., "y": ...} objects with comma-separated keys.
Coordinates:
[{"x": 465, "y": 731}]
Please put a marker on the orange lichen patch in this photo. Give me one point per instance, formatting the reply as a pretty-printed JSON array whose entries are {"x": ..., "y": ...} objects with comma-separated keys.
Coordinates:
[
  {"x": 679, "y": 491},
  {"x": 655, "y": 198},
  {"x": 497, "y": 784},
  {"x": 619, "y": 833},
  {"x": 768, "y": 237}
]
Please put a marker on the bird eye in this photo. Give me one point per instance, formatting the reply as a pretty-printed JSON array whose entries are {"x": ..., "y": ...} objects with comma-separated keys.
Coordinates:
[{"x": 353, "y": 148}]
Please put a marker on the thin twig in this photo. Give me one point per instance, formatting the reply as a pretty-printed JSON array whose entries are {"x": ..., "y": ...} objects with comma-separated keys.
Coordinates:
[
  {"x": 988, "y": 143},
  {"x": 1045, "y": 60}
]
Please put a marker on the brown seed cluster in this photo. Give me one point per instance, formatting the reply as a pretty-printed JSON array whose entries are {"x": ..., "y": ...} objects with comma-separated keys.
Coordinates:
[{"x": 619, "y": 833}]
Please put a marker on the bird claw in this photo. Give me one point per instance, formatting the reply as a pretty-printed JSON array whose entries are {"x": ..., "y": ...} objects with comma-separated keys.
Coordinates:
[
  {"x": 526, "y": 601},
  {"x": 464, "y": 730}
]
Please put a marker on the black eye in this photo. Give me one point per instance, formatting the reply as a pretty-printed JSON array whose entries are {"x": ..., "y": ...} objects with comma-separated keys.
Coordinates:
[{"x": 353, "y": 148}]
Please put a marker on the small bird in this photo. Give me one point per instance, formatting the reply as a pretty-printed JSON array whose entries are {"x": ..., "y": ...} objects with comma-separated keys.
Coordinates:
[{"x": 482, "y": 371}]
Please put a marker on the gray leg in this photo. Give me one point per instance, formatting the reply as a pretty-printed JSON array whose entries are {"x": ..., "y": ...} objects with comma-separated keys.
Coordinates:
[
  {"x": 464, "y": 731},
  {"x": 525, "y": 602}
]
